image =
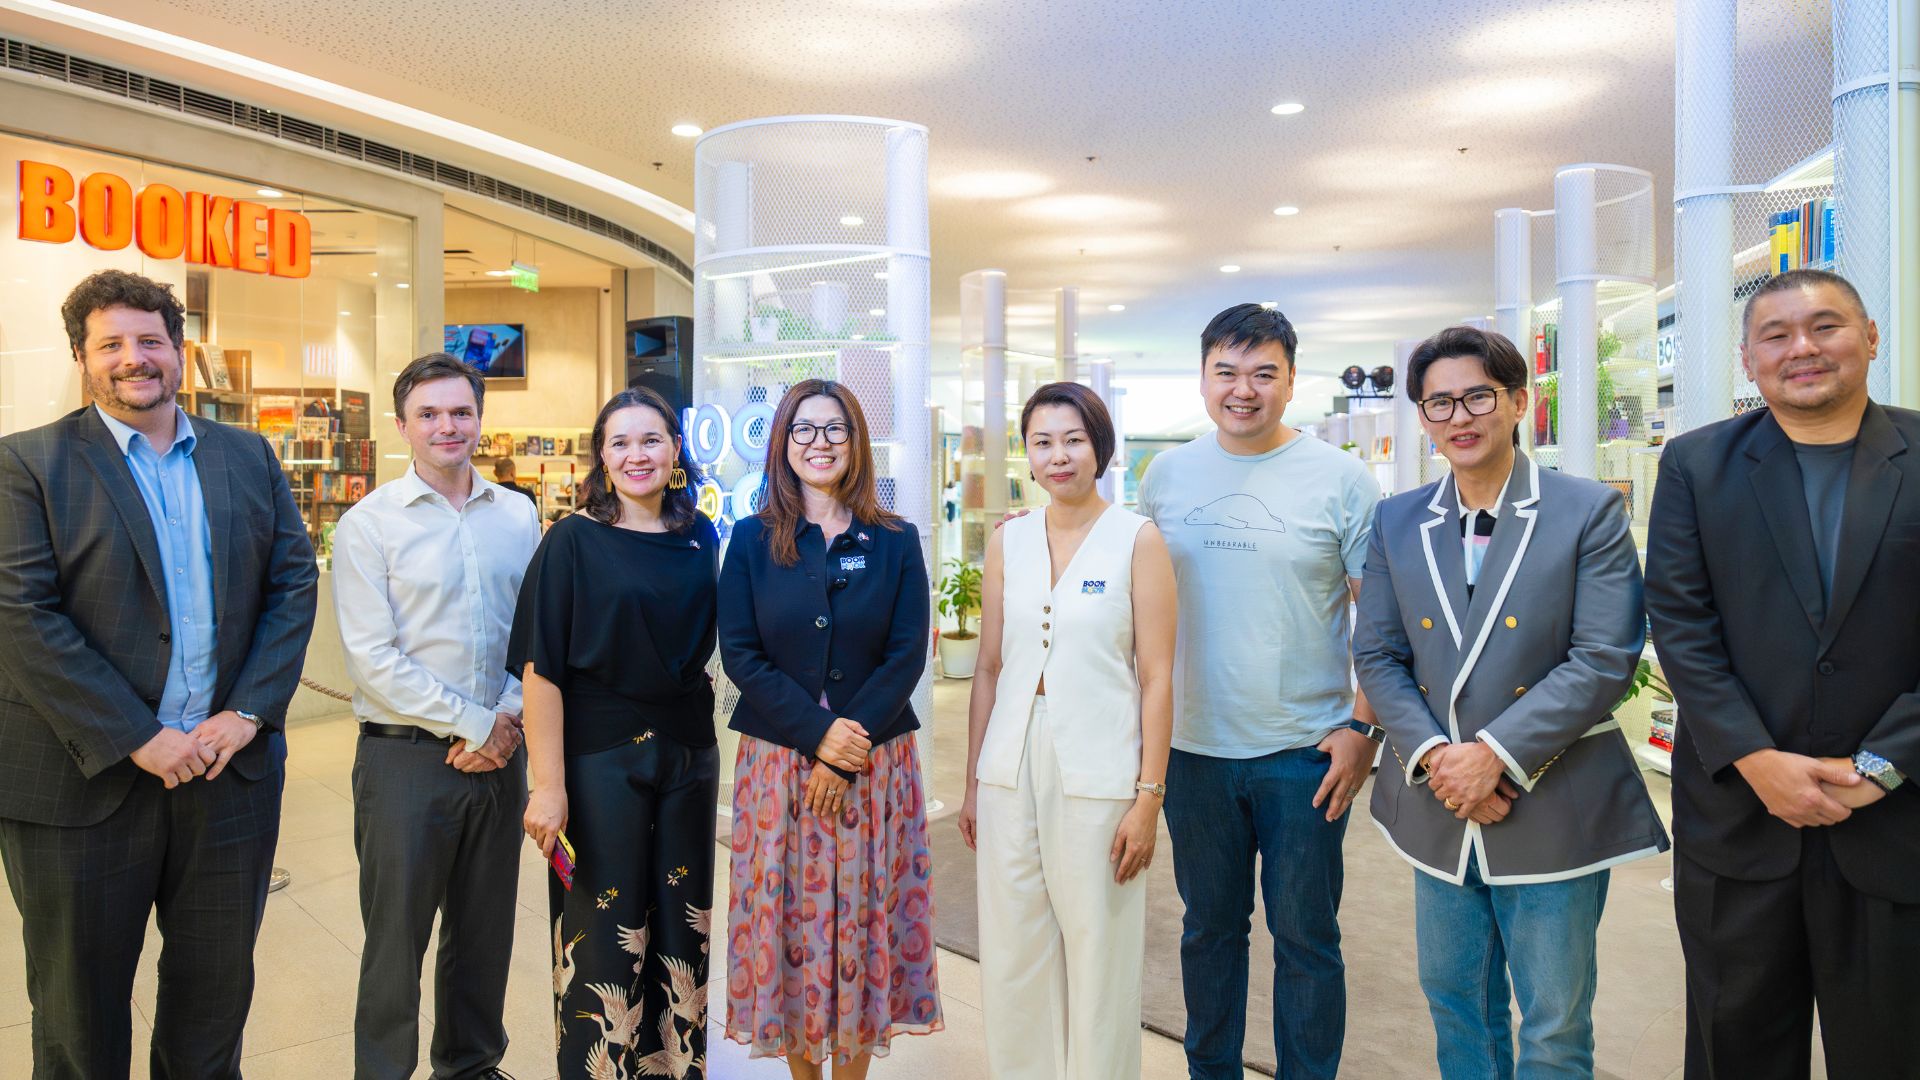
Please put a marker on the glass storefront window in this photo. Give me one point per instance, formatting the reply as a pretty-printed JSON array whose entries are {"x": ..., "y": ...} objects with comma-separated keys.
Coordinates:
[{"x": 300, "y": 360}]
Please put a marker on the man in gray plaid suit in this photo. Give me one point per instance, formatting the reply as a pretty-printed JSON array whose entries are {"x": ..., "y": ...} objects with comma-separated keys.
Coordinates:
[{"x": 156, "y": 596}]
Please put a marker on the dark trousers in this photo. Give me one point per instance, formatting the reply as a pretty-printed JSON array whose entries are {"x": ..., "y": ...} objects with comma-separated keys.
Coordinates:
[
  {"x": 1221, "y": 814},
  {"x": 1761, "y": 953},
  {"x": 434, "y": 839},
  {"x": 634, "y": 931},
  {"x": 200, "y": 854}
]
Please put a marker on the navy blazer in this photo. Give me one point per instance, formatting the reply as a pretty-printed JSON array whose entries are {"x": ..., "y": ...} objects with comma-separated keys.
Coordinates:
[{"x": 850, "y": 620}]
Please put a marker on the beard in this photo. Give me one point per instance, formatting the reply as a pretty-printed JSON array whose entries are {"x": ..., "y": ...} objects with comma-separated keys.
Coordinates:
[{"x": 111, "y": 388}]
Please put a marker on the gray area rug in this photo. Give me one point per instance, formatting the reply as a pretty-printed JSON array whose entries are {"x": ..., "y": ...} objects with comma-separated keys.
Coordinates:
[{"x": 1637, "y": 1018}]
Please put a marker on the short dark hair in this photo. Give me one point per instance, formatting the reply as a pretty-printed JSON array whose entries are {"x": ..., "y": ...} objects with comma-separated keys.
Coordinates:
[
  {"x": 117, "y": 288},
  {"x": 679, "y": 507},
  {"x": 1496, "y": 354},
  {"x": 503, "y": 467},
  {"x": 1093, "y": 414},
  {"x": 1799, "y": 279},
  {"x": 1244, "y": 326},
  {"x": 432, "y": 368}
]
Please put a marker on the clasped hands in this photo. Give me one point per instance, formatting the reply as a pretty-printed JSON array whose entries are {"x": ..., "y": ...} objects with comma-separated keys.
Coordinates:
[
  {"x": 1807, "y": 791},
  {"x": 502, "y": 742},
  {"x": 1470, "y": 780},
  {"x": 844, "y": 747},
  {"x": 178, "y": 756}
]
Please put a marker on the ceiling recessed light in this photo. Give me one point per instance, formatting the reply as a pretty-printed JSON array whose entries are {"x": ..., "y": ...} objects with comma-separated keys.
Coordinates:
[
  {"x": 269, "y": 193},
  {"x": 402, "y": 285},
  {"x": 877, "y": 311},
  {"x": 853, "y": 219},
  {"x": 1286, "y": 211},
  {"x": 346, "y": 313},
  {"x": 1230, "y": 268},
  {"x": 1288, "y": 108},
  {"x": 1269, "y": 304},
  {"x": 686, "y": 131},
  {"x": 499, "y": 273},
  {"x": 1116, "y": 307},
  {"x": 373, "y": 273}
]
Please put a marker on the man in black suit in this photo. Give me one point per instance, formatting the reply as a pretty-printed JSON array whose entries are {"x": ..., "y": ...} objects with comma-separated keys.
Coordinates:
[
  {"x": 156, "y": 596},
  {"x": 1783, "y": 579}
]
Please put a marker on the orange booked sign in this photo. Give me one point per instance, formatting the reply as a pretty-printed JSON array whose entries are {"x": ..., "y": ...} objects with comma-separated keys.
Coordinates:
[{"x": 164, "y": 222}]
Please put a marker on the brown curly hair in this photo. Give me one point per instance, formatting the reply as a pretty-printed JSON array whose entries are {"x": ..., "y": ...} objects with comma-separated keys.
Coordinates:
[{"x": 117, "y": 288}]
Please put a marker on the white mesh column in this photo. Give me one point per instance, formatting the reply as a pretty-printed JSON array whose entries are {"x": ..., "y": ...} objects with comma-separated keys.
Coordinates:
[
  {"x": 820, "y": 224},
  {"x": 1607, "y": 387},
  {"x": 1901, "y": 341},
  {"x": 1707, "y": 336},
  {"x": 1575, "y": 241},
  {"x": 1066, "y": 334},
  {"x": 1101, "y": 381},
  {"x": 1863, "y": 168},
  {"x": 1512, "y": 270},
  {"x": 1409, "y": 438}
]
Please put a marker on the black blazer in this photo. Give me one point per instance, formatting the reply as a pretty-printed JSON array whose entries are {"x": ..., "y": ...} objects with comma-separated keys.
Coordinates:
[
  {"x": 850, "y": 619},
  {"x": 83, "y": 611},
  {"x": 1734, "y": 593}
]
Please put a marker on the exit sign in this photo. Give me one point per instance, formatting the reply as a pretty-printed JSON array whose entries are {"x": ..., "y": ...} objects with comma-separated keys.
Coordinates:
[{"x": 525, "y": 277}]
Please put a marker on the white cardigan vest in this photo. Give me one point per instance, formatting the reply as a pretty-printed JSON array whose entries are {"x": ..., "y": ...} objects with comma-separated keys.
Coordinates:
[{"x": 1079, "y": 634}]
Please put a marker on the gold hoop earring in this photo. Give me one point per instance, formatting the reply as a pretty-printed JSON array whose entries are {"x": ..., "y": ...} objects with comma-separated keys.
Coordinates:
[
  {"x": 609, "y": 482},
  {"x": 677, "y": 479}
]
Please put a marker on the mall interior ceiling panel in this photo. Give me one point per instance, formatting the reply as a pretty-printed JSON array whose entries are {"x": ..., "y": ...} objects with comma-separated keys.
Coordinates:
[{"x": 1124, "y": 146}]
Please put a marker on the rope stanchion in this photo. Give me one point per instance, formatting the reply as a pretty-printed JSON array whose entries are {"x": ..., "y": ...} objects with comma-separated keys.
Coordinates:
[{"x": 327, "y": 690}]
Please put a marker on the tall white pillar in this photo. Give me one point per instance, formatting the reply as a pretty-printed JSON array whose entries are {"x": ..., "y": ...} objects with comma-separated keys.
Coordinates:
[
  {"x": 1513, "y": 275},
  {"x": 1903, "y": 347},
  {"x": 993, "y": 390},
  {"x": 1409, "y": 438},
  {"x": 732, "y": 231},
  {"x": 1863, "y": 129},
  {"x": 1066, "y": 334},
  {"x": 1101, "y": 381},
  {"x": 1706, "y": 331},
  {"x": 909, "y": 322},
  {"x": 1576, "y": 246}
]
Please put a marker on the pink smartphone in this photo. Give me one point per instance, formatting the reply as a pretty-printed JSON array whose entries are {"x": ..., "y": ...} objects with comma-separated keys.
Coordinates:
[{"x": 562, "y": 859}]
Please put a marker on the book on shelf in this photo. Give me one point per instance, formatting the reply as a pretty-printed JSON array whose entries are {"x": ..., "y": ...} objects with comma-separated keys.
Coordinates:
[
  {"x": 314, "y": 427},
  {"x": 219, "y": 377},
  {"x": 276, "y": 415}
]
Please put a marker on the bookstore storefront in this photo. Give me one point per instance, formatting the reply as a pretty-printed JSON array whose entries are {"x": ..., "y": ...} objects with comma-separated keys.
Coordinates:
[{"x": 291, "y": 299}]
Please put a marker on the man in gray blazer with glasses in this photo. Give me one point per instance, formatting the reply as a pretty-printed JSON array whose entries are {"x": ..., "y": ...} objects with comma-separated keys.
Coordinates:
[
  {"x": 156, "y": 595},
  {"x": 1500, "y": 624}
]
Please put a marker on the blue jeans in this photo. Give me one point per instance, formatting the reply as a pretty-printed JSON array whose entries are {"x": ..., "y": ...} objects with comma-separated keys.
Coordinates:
[
  {"x": 1221, "y": 812},
  {"x": 1473, "y": 937}
]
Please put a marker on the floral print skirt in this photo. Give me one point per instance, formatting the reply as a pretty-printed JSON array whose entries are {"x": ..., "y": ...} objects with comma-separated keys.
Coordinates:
[{"x": 830, "y": 928}]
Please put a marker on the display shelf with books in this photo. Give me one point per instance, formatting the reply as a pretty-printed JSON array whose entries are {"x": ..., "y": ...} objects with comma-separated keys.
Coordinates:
[{"x": 522, "y": 445}]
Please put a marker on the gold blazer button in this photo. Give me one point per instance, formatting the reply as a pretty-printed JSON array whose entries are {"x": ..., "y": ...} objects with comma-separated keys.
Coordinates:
[
  {"x": 1423, "y": 689},
  {"x": 1512, "y": 622},
  {"x": 1518, "y": 690},
  {"x": 1426, "y": 624}
]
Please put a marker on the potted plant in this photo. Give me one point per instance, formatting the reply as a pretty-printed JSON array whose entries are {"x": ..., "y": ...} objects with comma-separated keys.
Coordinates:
[
  {"x": 764, "y": 327},
  {"x": 960, "y": 598}
]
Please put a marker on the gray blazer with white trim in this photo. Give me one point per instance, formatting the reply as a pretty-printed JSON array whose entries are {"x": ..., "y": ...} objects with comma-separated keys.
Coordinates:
[{"x": 1532, "y": 667}]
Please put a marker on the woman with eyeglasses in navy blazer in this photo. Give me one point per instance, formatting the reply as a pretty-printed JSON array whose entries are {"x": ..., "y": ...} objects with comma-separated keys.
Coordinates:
[{"x": 824, "y": 617}]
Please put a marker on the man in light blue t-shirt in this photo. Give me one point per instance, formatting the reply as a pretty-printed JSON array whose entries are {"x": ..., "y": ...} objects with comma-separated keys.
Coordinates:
[{"x": 1268, "y": 530}]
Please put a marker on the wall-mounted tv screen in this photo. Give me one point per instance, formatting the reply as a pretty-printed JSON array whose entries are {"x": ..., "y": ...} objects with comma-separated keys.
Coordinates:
[{"x": 498, "y": 350}]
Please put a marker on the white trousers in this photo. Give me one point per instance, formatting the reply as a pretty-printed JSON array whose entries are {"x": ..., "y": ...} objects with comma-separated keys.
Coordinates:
[{"x": 1061, "y": 945}]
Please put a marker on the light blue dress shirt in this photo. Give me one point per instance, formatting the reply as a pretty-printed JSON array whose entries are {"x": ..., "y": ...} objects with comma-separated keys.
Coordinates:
[{"x": 170, "y": 487}]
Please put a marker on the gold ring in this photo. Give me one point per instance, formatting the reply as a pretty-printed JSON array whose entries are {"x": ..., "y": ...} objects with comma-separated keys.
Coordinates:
[
  {"x": 1351, "y": 792},
  {"x": 1451, "y": 805}
]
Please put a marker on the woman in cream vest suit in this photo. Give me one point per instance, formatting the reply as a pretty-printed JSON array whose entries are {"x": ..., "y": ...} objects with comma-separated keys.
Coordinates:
[{"x": 1068, "y": 729}]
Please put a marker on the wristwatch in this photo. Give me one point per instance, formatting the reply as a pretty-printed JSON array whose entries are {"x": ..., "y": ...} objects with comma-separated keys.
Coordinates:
[
  {"x": 1377, "y": 734},
  {"x": 1159, "y": 790},
  {"x": 1877, "y": 769},
  {"x": 249, "y": 717}
]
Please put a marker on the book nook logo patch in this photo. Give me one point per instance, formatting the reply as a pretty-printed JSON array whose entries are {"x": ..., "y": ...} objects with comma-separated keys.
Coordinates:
[{"x": 1093, "y": 586}]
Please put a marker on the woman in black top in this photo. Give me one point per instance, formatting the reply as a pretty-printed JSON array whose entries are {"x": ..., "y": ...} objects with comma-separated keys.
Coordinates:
[
  {"x": 825, "y": 627},
  {"x": 611, "y": 640}
]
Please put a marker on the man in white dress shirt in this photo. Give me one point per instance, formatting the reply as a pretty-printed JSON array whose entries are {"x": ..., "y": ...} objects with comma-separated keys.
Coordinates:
[{"x": 426, "y": 571}]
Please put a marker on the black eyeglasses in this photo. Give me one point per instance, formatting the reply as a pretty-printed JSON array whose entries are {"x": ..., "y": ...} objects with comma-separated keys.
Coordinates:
[
  {"x": 806, "y": 434},
  {"x": 1477, "y": 403}
]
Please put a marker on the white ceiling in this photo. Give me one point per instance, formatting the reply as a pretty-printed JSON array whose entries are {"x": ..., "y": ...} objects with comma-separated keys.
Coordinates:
[{"x": 1420, "y": 121}]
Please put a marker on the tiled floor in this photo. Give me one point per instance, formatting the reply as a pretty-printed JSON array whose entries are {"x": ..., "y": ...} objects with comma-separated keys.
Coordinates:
[{"x": 308, "y": 956}]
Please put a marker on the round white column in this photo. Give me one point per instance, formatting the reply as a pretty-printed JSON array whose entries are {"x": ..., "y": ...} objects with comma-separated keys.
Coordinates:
[
  {"x": 1066, "y": 334},
  {"x": 1409, "y": 438},
  {"x": 1575, "y": 245},
  {"x": 1706, "y": 330}
]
